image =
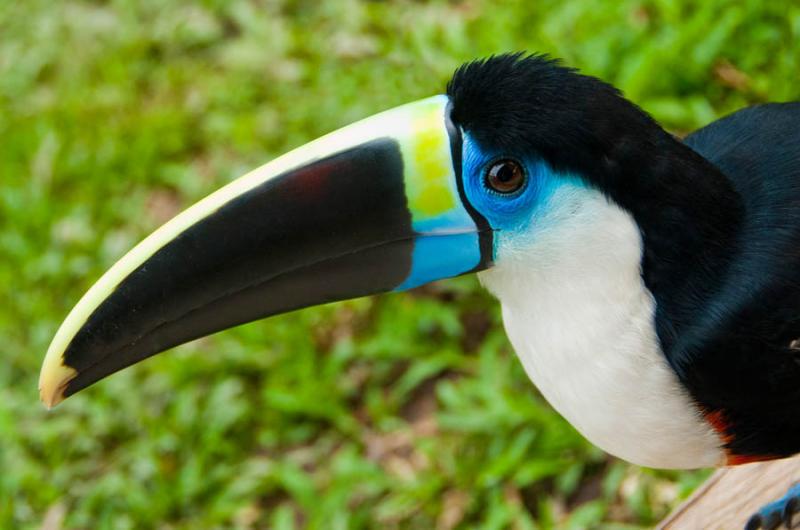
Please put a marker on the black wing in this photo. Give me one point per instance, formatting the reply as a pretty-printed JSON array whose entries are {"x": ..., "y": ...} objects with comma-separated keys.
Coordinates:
[
  {"x": 754, "y": 147},
  {"x": 748, "y": 365}
]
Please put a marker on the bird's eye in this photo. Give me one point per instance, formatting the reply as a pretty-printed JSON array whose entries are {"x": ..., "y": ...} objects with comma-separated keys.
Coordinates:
[{"x": 505, "y": 176}]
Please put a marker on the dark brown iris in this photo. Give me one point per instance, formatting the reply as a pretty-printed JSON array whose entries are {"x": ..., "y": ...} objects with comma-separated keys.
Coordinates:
[{"x": 505, "y": 176}]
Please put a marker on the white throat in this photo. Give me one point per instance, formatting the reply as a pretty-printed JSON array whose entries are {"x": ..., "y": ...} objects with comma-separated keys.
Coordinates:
[{"x": 581, "y": 320}]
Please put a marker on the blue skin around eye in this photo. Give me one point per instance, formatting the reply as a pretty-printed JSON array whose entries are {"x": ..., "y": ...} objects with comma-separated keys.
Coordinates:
[
  {"x": 513, "y": 216},
  {"x": 448, "y": 245},
  {"x": 506, "y": 212}
]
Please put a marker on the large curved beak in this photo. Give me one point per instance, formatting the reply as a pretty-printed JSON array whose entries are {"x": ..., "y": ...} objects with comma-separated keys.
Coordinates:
[{"x": 376, "y": 206}]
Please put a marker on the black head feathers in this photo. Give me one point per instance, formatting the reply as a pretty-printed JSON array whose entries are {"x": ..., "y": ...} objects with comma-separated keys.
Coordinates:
[
  {"x": 522, "y": 105},
  {"x": 531, "y": 102}
]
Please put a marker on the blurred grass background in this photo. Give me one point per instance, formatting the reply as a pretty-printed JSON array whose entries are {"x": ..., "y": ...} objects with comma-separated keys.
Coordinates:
[{"x": 401, "y": 411}]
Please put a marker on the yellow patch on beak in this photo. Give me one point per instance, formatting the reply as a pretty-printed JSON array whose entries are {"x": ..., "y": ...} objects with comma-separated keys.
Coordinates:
[{"x": 429, "y": 177}]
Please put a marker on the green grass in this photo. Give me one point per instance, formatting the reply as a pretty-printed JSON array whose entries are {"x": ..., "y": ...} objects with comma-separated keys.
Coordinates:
[{"x": 401, "y": 411}]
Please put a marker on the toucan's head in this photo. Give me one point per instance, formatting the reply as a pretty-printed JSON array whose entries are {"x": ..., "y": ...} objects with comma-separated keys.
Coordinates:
[{"x": 445, "y": 186}]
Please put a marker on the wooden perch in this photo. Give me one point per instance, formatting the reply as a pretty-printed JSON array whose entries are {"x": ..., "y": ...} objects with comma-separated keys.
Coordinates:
[{"x": 731, "y": 495}]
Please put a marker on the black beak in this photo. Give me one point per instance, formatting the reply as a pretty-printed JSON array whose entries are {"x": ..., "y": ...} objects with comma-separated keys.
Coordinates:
[{"x": 333, "y": 220}]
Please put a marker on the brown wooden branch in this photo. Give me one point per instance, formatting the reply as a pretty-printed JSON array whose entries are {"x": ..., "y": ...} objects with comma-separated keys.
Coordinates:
[{"x": 731, "y": 495}]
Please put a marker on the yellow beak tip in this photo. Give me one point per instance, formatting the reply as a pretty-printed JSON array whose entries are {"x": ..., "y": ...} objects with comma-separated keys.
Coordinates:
[
  {"x": 50, "y": 398},
  {"x": 53, "y": 382}
]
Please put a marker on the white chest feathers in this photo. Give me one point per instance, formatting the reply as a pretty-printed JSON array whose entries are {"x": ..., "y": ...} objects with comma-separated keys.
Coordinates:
[{"x": 581, "y": 321}]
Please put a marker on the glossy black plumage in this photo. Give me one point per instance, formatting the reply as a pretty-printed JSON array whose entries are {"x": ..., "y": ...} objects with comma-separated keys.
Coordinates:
[
  {"x": 745, "y": 361},
  {"x": 721, "y": 231}
]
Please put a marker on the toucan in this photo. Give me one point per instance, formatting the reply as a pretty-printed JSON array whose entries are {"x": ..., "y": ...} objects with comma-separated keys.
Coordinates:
[{"x": 650, "y": 285}]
